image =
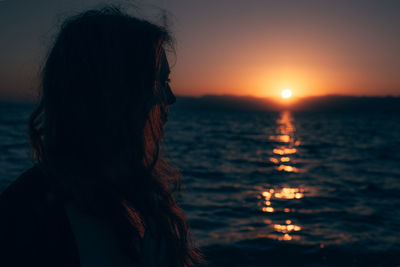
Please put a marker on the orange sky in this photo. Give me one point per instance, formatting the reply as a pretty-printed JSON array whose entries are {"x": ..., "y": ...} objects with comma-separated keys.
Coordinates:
[
  {"x": 311, "y": 49},
  {"x": 233, "y": 47}
]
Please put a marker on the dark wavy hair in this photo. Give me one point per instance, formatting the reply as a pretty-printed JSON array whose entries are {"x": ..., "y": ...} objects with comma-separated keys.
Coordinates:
[{"x": 99, "y": 124}]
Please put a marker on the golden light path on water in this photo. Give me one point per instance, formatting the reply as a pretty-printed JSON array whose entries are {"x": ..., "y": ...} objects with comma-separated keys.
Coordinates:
[
  {"x": 285, "y": 137},
  {"x": 282, "y": 158}
]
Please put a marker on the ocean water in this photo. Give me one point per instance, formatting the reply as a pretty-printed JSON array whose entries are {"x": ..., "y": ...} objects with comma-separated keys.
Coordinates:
[{"x": 273, "y": 188}]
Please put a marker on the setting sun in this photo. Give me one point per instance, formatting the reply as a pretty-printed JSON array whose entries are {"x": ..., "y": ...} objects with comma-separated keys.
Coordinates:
[{"x": 286, "y": 93}]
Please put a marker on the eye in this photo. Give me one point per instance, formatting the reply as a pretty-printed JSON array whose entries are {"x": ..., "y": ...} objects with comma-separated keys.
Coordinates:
[{"x": 167, "y": 81}]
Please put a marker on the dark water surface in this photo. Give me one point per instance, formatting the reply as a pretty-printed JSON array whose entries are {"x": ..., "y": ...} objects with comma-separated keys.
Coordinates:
[{"x": 278, "y": 189}]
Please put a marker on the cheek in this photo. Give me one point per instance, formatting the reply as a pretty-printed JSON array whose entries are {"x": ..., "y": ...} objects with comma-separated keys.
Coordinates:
[{"x": 164, "y": 113}]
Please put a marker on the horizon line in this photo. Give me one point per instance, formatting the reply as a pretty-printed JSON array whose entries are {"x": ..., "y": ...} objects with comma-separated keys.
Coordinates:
[
  {"x": 30, "y": 99},
  {"x": 298, "y": 97}
]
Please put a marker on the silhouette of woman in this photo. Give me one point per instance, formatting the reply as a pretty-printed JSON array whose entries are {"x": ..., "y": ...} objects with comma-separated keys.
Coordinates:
[{"x": 100, "y": 193}]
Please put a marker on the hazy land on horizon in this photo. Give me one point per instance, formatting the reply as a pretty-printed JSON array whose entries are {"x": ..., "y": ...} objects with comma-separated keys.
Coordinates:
[
  {"x": 251, "y": 103},
  {"x": 312, "y": 103}
]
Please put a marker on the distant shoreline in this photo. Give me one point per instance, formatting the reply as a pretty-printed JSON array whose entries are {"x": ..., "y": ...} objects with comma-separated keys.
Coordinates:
[
  {"x": 314, "y": 103},
  {"x": 249, "y": 103}
]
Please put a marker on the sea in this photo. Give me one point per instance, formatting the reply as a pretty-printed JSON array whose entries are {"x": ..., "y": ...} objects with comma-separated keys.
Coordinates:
[{"x": 262, "y": 188}]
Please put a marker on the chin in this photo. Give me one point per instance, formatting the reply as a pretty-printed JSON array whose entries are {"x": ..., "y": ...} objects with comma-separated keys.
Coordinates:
[{"x": 164, "y": 115}]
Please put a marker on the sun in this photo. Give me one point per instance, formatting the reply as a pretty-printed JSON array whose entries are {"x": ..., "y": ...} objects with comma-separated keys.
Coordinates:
[{"x": 286, "y": 93}]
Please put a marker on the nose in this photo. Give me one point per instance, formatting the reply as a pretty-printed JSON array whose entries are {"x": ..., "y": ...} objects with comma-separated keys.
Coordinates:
[{"x": 171, "y": 99}]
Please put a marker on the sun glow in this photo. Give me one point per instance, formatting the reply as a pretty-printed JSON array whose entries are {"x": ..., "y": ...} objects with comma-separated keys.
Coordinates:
[{"x": 286, "y": 93}]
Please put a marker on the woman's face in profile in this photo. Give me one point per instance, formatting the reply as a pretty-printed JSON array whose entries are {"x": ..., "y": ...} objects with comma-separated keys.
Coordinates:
[{"x": 168, "y": 96}]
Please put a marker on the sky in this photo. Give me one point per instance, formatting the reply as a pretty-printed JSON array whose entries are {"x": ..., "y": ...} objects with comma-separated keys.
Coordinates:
[{"x": 248, "y": 47}]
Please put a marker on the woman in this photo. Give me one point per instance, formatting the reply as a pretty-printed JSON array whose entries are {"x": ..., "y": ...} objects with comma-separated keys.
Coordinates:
[{"x": 100, "y": 193}]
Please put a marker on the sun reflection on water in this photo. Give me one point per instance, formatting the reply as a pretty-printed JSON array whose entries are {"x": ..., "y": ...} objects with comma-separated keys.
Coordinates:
[
  {"x": 280, "y": 138},
  {"x": 285, "y": 134},
  {"x": 283, "y": 157},
  {"x": 285, "y": 230},
  {"x": 287, "y": 168},
  {"x": 284, "y": 151},
  {"x": 284, "y": 193}
]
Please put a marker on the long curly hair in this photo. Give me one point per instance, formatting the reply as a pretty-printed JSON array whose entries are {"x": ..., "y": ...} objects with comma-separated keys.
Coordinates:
[{"x": 98, "y": 127}]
